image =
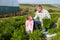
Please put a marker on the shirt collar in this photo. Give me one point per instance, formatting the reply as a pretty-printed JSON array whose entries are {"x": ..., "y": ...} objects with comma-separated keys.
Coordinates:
[{"x": 41, "y": 12}]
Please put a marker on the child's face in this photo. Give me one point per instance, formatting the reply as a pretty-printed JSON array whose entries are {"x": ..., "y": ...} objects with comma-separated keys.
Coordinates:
[
  {"x": 39, "y": 9},
  {"x": 30, "y": 18}
]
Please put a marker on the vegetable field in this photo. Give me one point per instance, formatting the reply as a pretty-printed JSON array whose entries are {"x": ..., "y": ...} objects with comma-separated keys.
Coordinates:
[{"x": 13, "y": 28}]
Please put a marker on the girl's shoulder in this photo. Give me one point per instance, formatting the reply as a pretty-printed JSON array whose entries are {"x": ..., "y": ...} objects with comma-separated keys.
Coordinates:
[
  {"x": 29, "y": 21},
  {"x": 32, "y": 21}
]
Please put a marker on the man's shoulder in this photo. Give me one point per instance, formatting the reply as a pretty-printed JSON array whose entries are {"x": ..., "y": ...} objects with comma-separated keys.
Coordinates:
[
  {"x": 36, "y": 11},
  {"x": 45, "y": 10}
]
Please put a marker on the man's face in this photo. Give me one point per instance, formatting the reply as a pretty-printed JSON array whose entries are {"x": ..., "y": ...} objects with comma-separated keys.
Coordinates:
[{"x": 39, "y": 9}]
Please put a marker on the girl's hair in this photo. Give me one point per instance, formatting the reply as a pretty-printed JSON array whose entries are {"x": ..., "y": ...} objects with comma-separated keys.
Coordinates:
[{"x": 28, "y": 17}]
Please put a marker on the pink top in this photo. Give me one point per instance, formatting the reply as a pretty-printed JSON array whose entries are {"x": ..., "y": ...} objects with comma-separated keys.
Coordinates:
[{"x": 29, "y": 25}]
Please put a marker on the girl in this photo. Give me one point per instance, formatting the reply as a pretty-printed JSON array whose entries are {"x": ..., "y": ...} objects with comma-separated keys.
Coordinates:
[{"x": 29, "y": 24}]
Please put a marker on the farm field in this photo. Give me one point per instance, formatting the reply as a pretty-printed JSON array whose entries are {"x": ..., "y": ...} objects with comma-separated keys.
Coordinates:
[{"x": 13, "y": 28}]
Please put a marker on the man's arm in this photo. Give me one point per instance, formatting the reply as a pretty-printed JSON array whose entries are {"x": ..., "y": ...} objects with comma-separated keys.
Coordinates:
[
  {"x": 35, "y": 16},
  {"x": 48, "y": 15}
]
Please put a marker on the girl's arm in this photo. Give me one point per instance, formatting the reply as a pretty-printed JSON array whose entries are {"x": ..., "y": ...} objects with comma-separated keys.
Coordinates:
[
  {"x": 26, "y": 24},
  {"x": 32, "y": 26}
]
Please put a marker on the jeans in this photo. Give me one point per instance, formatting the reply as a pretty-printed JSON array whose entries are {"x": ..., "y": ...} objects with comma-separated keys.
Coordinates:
[{"x": 35, "y": 24}]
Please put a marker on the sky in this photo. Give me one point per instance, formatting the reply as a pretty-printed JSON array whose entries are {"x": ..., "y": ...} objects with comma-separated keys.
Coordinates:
[
  {"x": 17, "y": 2},
  {"x": 39, "y": 1},
  {"x": 9, "y": 3}
]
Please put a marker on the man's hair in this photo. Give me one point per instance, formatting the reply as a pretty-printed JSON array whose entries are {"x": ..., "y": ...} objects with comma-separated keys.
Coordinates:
[{"x": 39, "y": 6}]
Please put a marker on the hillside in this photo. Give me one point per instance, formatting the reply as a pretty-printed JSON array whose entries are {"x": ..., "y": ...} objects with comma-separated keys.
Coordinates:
[
  {"x": 47, "y": 7},
  {"x": 44, "y": 6}
]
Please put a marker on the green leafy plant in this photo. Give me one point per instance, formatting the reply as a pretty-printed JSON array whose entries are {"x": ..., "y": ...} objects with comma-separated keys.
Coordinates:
[
  {"x": 46, "y": 23},
  {"x": 36, "y": 35}
]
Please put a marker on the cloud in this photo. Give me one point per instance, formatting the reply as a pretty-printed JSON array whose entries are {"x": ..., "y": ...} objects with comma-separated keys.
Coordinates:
[{"x": 40, "y": 1}]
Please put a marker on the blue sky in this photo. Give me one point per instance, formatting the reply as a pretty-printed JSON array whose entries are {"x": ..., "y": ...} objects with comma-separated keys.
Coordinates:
[
  {"x": 17, "y": 2},
  {"x": 9, "y": 3},
  {"x": 39, "y": 1}
]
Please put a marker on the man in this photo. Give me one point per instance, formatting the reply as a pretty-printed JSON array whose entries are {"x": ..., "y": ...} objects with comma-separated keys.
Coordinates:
[{"x": 41, "y": 14}]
